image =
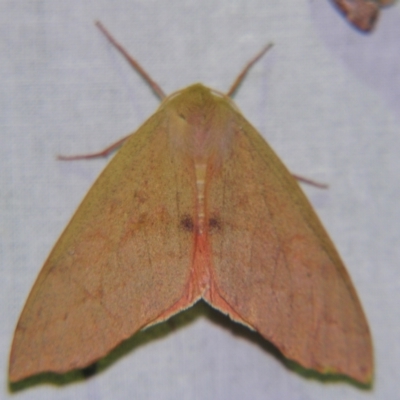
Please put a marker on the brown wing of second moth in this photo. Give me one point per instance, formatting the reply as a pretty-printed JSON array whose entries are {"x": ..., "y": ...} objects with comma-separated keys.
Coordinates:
[{"x": 363, "y": 14}]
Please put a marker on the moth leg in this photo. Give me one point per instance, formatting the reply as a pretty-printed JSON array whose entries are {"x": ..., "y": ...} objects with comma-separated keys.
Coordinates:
[{"x": 103, "y": 153}]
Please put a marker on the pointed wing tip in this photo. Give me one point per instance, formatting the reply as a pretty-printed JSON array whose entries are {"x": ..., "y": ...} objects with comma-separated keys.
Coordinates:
[
  {"x": 15, "y": 375},
  {"x": 366, "y": 377},
  {"x": 361, "y": 376},
  {"x": 18, "y": 371}
]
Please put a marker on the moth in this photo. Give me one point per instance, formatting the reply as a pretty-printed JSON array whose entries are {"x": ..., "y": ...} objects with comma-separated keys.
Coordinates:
[{"x": 195, "y": 205}]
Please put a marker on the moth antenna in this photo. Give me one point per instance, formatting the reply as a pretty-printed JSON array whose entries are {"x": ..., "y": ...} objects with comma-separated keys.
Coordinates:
[
  {"x": 135, "y": 65},
  {"x": 246, "y": 69}
]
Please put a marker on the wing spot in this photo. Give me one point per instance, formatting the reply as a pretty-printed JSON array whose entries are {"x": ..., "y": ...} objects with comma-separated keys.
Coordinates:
[
  {"x": 187, "y": 223},
  {"x": 214, "y": 224}
]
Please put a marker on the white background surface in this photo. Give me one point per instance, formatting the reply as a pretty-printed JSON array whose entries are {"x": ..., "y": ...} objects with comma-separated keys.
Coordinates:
[{"x": 327, "y": 99}]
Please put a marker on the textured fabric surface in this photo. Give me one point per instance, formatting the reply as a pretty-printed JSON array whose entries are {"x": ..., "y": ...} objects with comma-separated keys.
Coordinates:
[{"x": 327, "y": 99}]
